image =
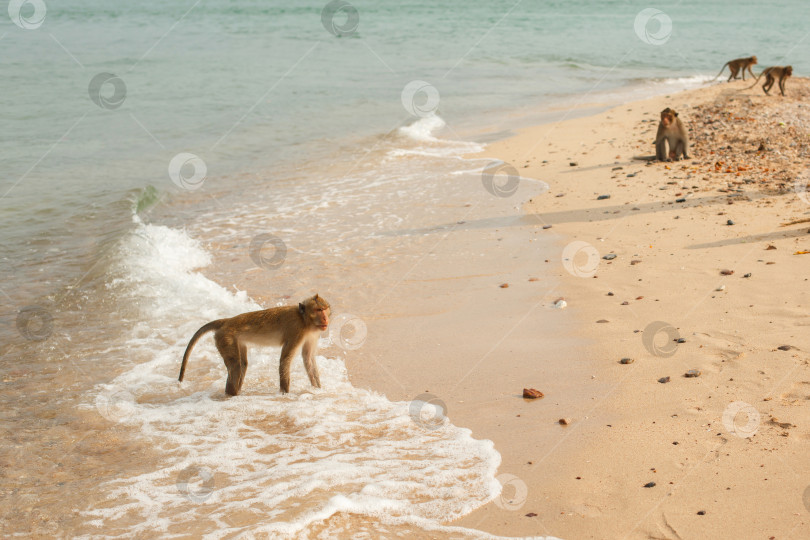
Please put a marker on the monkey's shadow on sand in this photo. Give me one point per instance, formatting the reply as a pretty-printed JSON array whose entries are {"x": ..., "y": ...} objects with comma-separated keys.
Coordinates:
[{"x": 606, "y": 213}]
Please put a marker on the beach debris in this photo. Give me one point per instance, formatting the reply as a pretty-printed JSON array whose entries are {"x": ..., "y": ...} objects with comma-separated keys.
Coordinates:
[
  {"x": 560, "y": 195},
  {"x": 632, "y": 174},
  {"x": 531, "y": 514},
  {"x": 573, "y": 164},
  {"x": 729, "y": 222},
  {"x": 617, "y": 168},
  {"x": 534, "y": 279},
  {"x": 692, "y": 373},
  {"x": 602, "y": 321},
  {"x": 560, "y": 303},
  {"x": 649, "y": 484},
  {"x": 770, "y": 246},
  {"x": 784, "y": 425},
  {"x": 626, "y": 361},
  {"x": 546, "y": 226},
  {"x": 726, "y": 272},
  {"x": 639, "y": 298},
  {"x": 747, "y": 275},
  {"x": 564, "y": 421},
  {"x": 609, "y": 256},
  {"x": 664, "y": 380},
  {"x": 721, "y": 288},
  {"x": 504, "y": 285},
  {"x": 802, "y": 252},
  {"x": 610, "y": 293},
  {"x": 602, "y": 197},
  {"x": 634, "y": 262},
  {"x": 682, "y": 199},
  {"x": 531, "y": 393},
  {"x": 701, "y": 512},
  {"x": 625, "y": 303},
  {"x": 680, "y": 340},
  {"x": 784, "y": 347}
]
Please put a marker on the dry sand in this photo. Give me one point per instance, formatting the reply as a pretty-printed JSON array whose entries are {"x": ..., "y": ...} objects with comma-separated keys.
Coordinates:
[{"x": 729, "y": 451}]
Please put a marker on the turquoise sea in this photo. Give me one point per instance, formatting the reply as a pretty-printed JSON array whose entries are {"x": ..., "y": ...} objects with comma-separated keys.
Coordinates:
[{"x": 142, "y": 141}]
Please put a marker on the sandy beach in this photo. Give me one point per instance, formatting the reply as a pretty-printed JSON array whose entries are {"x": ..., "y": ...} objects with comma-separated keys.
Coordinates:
[{"x": 726, "y": 450}]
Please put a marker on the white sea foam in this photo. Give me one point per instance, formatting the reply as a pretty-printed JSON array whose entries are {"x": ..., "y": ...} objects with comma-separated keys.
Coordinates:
[
  {"x": 423, "y": 132},
  {"x": 314, "y": 462}
]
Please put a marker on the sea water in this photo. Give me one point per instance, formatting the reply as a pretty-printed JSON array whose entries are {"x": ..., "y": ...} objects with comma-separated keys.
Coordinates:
[{"x": 157, "y": 153}]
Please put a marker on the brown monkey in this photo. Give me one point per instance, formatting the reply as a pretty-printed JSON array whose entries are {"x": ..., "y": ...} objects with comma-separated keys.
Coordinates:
[
  {"x": 671, "y": 130},
  {"x": 771, "y": 75},
  {"x": 289, "y": 327},
  {"x": 734, "y": 66}
]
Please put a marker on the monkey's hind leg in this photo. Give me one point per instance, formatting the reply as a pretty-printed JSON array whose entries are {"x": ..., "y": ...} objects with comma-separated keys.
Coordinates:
[
  {"x": 243, "y": 363},
  {"x": 284, "y": 362},
  {"x": 229, "y": 350}
]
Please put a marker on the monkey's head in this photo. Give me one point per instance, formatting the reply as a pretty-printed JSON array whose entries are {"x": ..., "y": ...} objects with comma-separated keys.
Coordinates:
[
  {"x": 668, "y": 116},
  {"x": 789, "y": 71},
  {"x": 315, "y": 311},
  {"x": 754, "y": 59}
]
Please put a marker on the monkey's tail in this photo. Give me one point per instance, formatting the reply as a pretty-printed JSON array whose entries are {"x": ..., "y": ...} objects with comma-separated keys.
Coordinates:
[
  {"x": 721, "y": 71},
  {"x": 213, "y": 325},
  {"x": 758, "y": 78}
]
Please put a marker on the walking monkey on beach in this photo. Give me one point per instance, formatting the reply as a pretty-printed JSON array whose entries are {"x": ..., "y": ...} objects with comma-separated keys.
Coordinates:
[
  {"x": 771, "y": 75},
  {"x": 290, "y": 327},
  {"x": 734, "y": 66},
  {"x": 672, "y": 132}
]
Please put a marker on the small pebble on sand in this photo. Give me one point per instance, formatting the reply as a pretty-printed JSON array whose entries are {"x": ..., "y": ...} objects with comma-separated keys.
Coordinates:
[
  {"x": 692, "y": 373},
  {"x": 602, "y": 197},
  {"x": 564, "y": 421},
  {"x": 663, "y": 380},
  {"x": 649, "y": 484},
  {"x": 626, "y": 361}
]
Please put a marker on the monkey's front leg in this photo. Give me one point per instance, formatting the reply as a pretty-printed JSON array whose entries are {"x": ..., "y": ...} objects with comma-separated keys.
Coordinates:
[
  {"x": 287, "y": 352},
  {"x": 308, "y": 353},
  {"x": 660, "y": 149}
]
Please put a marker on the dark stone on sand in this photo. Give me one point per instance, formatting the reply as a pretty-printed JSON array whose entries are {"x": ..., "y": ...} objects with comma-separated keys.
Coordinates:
[
  {"x": 546, "y": 226},
  {"x": 602, "y": 321},
  {"x": 729, "y": 222},
  {"x": 747, "y": 275},
  {"x": 702, "y": 513},
  {"x": 681, "y": 340},
  {"x": 663, "y": 380},
  {"x": 531, "y": 393},
  {"x": 602, "y": 197},
  {"x": 610, "y": 294},
  {"x": 784, "y": 347},
  {"x": 573, "y": 164},
  {"x": 564, "y": 421},
  {"x": 682, "y": 199},
  {"x": 609, "y": 256},
  {"x": 531, "y": 514},
  {"x": 692, "y": 373},
  {"x": 649, "y": 484},
  {"x": 625, "y": 303},
  {"x": 632, "y": 174},
  {"x": 726, "y": 272},
  {"x": 626, "y": 361}
]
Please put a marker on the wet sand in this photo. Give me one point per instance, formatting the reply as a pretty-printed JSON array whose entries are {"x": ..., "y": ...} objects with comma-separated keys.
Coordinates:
[{"x": 727, "y": 450}]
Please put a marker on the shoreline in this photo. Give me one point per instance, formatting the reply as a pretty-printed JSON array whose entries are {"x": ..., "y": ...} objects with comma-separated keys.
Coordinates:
[{"x": 585, "y": 480}]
